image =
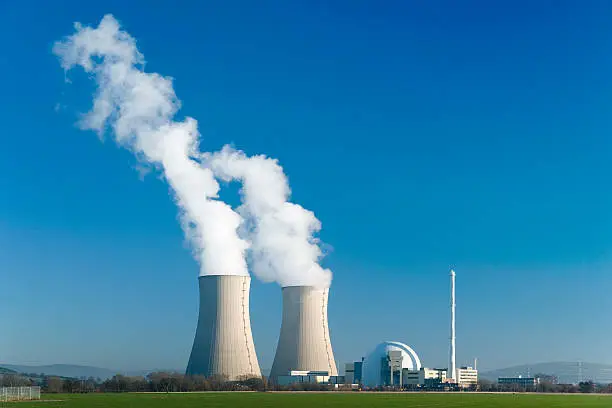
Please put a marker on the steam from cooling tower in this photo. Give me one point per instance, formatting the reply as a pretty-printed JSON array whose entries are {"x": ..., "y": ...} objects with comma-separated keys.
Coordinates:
[
  {"x": 139, "y": 108},
  {"x": 283, "y": 246}
]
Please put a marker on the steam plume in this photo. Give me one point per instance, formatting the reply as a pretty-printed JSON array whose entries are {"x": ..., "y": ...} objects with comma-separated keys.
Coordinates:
[
  {"x": 283, "y": 247},
  {"x": 139, "y": 108}
]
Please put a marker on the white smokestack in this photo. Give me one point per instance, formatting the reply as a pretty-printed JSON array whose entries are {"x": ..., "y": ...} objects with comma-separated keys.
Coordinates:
[
  {"x": 283, "y": 246},
  {"x": 452, "y": 366},
  {"x": 139, "y": 107}
]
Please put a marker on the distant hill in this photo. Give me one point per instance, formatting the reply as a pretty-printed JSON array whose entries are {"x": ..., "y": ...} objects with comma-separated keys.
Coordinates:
[
  {"x": 566, "y": 372},
  {"x": 144, "y": 373},
  {"x": 4, "y": 370},
  {"x": 63, "y": 370},
  {"x": 76, "y": 371}
]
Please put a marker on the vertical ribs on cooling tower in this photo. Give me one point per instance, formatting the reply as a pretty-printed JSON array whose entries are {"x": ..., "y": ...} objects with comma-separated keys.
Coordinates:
[
  {"x": 328, "y": 347},
  {"x": 304, "y": 342},
  {"x": 223, "y": 343}
]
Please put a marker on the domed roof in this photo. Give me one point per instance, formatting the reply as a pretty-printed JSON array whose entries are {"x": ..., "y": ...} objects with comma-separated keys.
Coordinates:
[{"x": 371, "y": 364}]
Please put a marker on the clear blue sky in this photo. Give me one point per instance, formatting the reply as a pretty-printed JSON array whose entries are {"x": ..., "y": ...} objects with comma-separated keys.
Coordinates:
[{"x": 423, "y": 135}]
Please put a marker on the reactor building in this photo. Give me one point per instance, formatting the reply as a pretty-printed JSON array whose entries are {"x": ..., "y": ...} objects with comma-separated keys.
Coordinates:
[
  {"x": 304, "y": 344},
  {"x": 223, "y": 344},
  {"x": 388, "y": 363}
]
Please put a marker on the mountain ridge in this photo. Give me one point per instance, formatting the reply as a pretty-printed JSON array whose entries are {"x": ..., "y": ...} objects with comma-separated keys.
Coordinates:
[
  {"x": 4, "y": 370},
  {"x": 566, "y": 372},
  {"x": 76, "y": 371}
]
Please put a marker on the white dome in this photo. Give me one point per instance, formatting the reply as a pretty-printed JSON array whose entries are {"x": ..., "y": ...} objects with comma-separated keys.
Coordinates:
[{"x": 371, "y": 364}]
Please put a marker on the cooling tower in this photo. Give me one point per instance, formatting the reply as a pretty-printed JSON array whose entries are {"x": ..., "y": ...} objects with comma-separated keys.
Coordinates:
[
  {"x": 223, "y": 343},
  {"x": 304, "y": 342}
]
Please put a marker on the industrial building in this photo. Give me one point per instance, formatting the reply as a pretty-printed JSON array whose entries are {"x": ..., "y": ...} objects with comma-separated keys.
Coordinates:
[
  {"x": 425, "y": 378},
  {"x": 223, "y": 343},
  {"x": 519, "y": 381},
  {"x": 304, "y": 343},
  {"x": 353, "y": 372},
  {"x": 393, "y": 363},
  {"x": 303, "y": 377},
  {"x": 467, "y": 377},
  {"x": 386, "y": 363}
]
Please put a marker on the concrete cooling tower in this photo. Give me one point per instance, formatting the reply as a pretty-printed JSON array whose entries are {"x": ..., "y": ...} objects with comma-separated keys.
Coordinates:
[
  {"x": 223, "y": 343},
  {"x": 304, "y": 342}
]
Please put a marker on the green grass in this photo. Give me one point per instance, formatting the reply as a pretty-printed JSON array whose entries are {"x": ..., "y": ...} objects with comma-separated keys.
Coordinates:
[{"x": 317, "y": 400}]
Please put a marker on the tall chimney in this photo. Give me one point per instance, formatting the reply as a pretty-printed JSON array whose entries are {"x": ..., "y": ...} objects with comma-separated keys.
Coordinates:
[
  {"x": 304, "y": 342},
  {"x": 452, "y": 367},
  {"x": 223, "y": 343}
]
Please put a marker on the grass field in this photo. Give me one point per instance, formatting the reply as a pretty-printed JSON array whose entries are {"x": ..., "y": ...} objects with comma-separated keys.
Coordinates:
[{"x": 316, "y": 400}]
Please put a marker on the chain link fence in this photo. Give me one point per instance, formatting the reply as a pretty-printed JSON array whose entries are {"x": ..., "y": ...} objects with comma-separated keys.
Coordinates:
[{"x": 19, "y": 393}]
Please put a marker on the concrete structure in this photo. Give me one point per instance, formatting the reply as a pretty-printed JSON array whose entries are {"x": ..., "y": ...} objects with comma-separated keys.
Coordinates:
[
  {"x": 386, "y": 363},
  {"x": 411, "y": 378},
  {"x": 310, "y": 377},
  {"x": 223, "y": 343},
  {"x": 303, "y": 377},
  {"x": 304, "y": 343},
  {"x": 519, "y": 381},
  {"x": 452, "y": 365},
  {"x": 425, "y": 377},
  {"x": 337, "y": 380},
  {"x": 466, "y": 377},
  {"x": 353, "y": 372}
]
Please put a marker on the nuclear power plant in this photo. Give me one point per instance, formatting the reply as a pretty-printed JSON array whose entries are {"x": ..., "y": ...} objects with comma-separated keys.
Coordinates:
[
  {"x": 282, "y": 242},
  {"x": 304, "y": 345},
  {"x": 223, "y": 343},
  {"x": 395, "y": 364}
]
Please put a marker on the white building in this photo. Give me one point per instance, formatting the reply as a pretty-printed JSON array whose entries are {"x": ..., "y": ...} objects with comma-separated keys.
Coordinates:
[
  {"x": 467, "y": 377},
  {"x": 302, "y": 376},
  {"x": 424, "y": 377},
  {"x": 386, "y": 364}
]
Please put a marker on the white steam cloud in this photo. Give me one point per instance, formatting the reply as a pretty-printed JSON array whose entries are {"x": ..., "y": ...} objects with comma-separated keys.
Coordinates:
[
  {"x": 139, "y": 108},
  {"x": 283, "y": 246}
]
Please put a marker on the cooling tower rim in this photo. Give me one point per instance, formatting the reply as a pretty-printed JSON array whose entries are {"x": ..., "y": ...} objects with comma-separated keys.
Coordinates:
[
  {"x": 305, "y": 286},
  {"x": 223, "y": 276}
]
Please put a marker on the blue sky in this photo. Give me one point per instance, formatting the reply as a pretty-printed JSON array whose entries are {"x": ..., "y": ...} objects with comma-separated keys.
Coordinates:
[{"x": 422, "y": 134}]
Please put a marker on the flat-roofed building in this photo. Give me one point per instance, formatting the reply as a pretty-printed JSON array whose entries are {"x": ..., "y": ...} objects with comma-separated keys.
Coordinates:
[
  {"x": 467, "y": 377},
  {"x": 301, "y": 377},
  {"x": 519, "y": 381},
  {"x": 352, "y": 372},
  {"x": 425, "y": 377}
]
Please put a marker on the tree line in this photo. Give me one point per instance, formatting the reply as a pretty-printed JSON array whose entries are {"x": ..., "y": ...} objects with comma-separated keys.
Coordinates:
[
  {"x": 175, "y": 382},
  {"x": 585, "y": 387},
  {"x": 153, "y": 382}
]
